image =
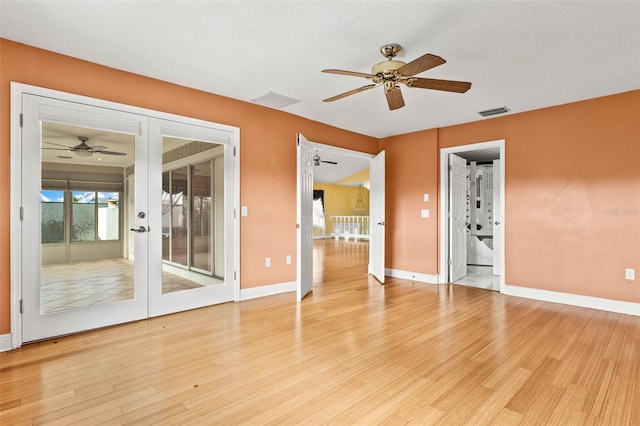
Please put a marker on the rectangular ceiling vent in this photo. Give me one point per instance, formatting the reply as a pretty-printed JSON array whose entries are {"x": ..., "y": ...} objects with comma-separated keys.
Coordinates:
[
  {"x": 494, "y": 111},
  {"x": 275, "y": 100}
]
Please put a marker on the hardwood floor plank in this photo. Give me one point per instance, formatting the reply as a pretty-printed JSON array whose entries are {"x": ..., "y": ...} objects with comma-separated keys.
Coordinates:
[{"x": 352, "y": 352}]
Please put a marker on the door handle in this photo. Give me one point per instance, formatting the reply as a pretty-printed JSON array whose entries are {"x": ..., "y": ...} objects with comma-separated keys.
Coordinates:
[
  {"x": 382, "y": 223},
  {"x": 140, "y": 229}
]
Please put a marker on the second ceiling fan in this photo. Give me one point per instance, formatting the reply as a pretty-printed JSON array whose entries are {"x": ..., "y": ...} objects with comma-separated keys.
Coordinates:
[{"x": 391, "y": 73}]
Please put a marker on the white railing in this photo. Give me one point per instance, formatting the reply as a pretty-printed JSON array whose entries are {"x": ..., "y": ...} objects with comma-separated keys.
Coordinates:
[{"x": 356, "y": 227}]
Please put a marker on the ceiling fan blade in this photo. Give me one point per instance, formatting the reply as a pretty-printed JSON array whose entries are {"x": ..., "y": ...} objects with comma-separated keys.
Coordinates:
[
  {"x": 58, "y": 149},
  {"x": 350, "y": 92},
  {"x": 329, "y": 161},
  {"x": 394, "y": 98},
  {"x": 423, "y": 63},
  {"x": 98, "y": 148},
  {"x": 351, "y": 73},
  {"x": 434, "y": 84},
  {"x": 57, "y": 144},
  {"x": 110, "y": 152}
]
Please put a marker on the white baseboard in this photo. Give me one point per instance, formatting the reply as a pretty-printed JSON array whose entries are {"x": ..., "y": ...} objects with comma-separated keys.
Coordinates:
[
  {"x": 618, "y": 306},
  {"x": 267, "y": 290},
  {"x": 5, "y": 342},
  {"x": 413, "y": 276}
]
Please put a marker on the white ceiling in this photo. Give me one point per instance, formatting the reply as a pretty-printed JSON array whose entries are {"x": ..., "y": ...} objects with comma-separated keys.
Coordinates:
[{"x": 523, "y": 55}]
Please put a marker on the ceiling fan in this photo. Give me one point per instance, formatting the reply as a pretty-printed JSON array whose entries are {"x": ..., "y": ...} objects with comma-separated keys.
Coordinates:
[
  {"x": 317, "y": 160},
  {"x": 84, "y": 150},
  {"x": 391, "y": 72}
]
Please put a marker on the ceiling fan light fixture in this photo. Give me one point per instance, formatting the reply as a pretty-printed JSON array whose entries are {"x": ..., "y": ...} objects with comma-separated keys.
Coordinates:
[
  {"x": 83, "y": 153},
  {"x": 386, "y": 66}
]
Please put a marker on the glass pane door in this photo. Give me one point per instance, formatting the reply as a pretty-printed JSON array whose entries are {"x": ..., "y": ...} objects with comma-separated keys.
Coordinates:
[
  {"x": 190, "y": 172},
  {"x": 77, "y": 203}
]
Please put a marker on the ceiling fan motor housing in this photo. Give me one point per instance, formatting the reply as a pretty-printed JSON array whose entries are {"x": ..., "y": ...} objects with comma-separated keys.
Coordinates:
[{"x": 386, "y": 68}]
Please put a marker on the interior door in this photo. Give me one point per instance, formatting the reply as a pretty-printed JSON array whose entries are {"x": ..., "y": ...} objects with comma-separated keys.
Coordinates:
[
  {"x": 497, "y": 224},
  {"x": 192, "y": 175},
  {"x": 457, "y": 217},
  {"x": 75, "y": 273},
  {"x": 377, "y": 212},
  {"x": 304, "y": 269}
]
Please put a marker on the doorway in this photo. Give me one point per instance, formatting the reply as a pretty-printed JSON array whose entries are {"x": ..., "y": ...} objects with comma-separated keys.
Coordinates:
[
  {"x": 472, "y": 203},
  {"x": 126, "y": 216},
  {"x": 314, "y": 156}
]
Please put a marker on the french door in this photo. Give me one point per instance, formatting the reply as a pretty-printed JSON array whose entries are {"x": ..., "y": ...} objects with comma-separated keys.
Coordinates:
[
  {"x": 191, "y": 188},
  {"x": 72, "y": 227},
  {"x": 123, "y": 216}
]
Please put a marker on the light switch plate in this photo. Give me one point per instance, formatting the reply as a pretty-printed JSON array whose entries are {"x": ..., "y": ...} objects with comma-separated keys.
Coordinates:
[
  {"x": 426, "y": 197},
  {"x": 244, "y": 211}
]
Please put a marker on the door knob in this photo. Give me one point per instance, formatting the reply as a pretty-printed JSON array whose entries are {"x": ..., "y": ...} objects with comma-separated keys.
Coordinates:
[
  {"x": 381, "y": 223},
  {"x": 497, "y": 223},
  {"x": 140, "y": 229}
]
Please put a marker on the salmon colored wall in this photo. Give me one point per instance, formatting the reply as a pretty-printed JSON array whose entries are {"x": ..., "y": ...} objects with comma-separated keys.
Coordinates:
[
  {"x": 411, "y": 242},
  {"x": 572, "y": 188},
  {"x": 339, "y": 201},
  {"x": 572, "y": 178},
  {"x": 572, "y": 184},
  {"x": 267, "y": 147}
]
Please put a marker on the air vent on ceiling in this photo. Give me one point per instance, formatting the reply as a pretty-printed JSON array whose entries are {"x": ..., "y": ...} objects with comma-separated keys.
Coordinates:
[
  {"x": 275, "y": 100},
  {"x": 494, "y": 111}
]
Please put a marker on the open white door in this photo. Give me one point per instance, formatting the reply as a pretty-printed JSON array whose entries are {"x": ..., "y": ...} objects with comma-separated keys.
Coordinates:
[
  {"x": 377, "y": 212},
  {"x": 457, "y": 215},
  {"x": 304, "y": 269},
  {"x": 497, "y": 224}
]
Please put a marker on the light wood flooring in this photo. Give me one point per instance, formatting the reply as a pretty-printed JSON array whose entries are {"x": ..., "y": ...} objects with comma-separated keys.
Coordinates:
[{"x": 353, "y": 352}]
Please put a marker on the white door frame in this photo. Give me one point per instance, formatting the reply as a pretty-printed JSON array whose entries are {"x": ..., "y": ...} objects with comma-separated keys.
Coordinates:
[
  {"x": 443, "y": 277},
  {"x": 17, "y": 92}
]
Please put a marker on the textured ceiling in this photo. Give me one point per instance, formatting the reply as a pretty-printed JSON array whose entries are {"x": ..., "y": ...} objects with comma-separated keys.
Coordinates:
[{"x": 523, "y": 55}]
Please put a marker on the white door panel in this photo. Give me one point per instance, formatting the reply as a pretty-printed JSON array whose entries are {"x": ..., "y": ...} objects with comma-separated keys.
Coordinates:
[
  {"x": 457, "y": 217},
  {"x": 497, "y": 220},
  {"x": 304, "y": 217},
  {"x": 200, "y": 277},
  {"x": 377, "y": 212},
  {"x": 52, "y": 294}
]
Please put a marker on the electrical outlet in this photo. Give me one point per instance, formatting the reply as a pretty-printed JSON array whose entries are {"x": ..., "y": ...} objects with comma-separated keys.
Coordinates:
[
  {"x": 630, "y": 274},
  {"x": 289, "y": 259},
  {"x": 267, "y": 262}
]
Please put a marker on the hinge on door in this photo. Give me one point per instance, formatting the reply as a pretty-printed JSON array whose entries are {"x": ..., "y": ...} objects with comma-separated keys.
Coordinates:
[
  {"x": 449, "y": 262},
  {"x": 21, "y": 214},
  {"x": 234, "y": 213},
  {"x": 234, "y": 275},
  {"x": 21, "y": 119},
  {"x": 20, "y": 305},
  {"x": 234, "y": 151},
  {"x": 449, "y": 167}
]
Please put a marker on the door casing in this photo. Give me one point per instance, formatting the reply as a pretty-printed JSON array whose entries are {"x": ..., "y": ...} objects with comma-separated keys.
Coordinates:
[
  {"x": 17, "y": 92},
  {"x": 443, "y": 276}
]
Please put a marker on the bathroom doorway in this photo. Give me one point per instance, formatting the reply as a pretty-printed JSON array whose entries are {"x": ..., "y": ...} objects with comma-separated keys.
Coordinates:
[{"x": 472, "y": 199}]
